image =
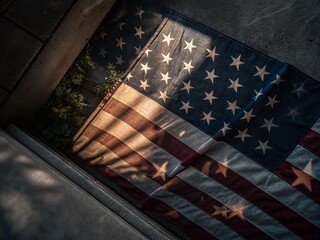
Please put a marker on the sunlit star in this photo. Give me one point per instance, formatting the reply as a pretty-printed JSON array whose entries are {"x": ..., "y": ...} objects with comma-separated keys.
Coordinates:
[
  {"x": 212, "y": 53},
  {"x": 144, "y": 84},
  {"x": 269, "y": 124},
  {"x": 302, "y": 178},
  {"x": 139, "y": 32},
  {"x": 233, "y": 107},
  {"x": 243, "y": 134},
  {"x": 207, "y": 117},
  {"x": 160, "y": 170},
  {"x": 236, "y": 62},
  {"x": 211, "y": 75},
  {"x": 187, "y": 86},
  {"x": 103, "y": 51},
  {"x": 166, "y": 58},
  {"x": 238, "y": 210},
  {"x": 129, "y": 76},
  {"x": 263, "y": 146},
  {"x": 235, "y": 84},
  {"x": 225, "y": 128},
  {"x": 189, "y": 45},
  {"x": 261, "y": 72},
  {"x": 248, "y": 115},
  {"x": 145, "y": 68},
  {"x": 278, "y": 80},
  {"x": 272, "y": 101},
  {"x": 120, "y": 43},
  {"x": 209, "y": 97},
  {"x": 185, "y": 106},
  {"x": 167, "y": 38},
  {"x": 221, "y": 210},
  {"x": 147, "y": 52},
  {"x": 119, "y": 60},
  {"x": 163, "y": 96},
  {"x": 223, "y": 168},
  {"x": 139, "y": 12},
  {"x": 165, "y": 77},
  {"x": 188, "y": 66}
]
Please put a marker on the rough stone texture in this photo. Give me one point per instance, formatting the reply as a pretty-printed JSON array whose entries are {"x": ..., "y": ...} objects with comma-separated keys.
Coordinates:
[
  {"x": 286, "y": 30},
  {"x": 3, "y": 95},
  {"x": 37, "y": 16},
  {"x": 4, "y": 4},
  {"x": 37, "y": 202},
  {"x": 17, "y": 50}
]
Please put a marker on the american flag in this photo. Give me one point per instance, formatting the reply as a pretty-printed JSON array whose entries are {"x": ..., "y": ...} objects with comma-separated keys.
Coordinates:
[{"x": 205, "y": 132}]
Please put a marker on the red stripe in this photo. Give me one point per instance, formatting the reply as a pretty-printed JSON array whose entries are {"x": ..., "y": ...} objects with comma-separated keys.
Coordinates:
[
  {"x": 256, "y": 196},
  {"x": 207, "y": 204},
  {"x": 152, "y": 132},
  {"x": 124, "y": 152},
  {"x": 167, "y": 212},
  {"x": 234, "y": 181},
  {"x": 311, "y": 141},
  {"x": 302, "y": 181}
]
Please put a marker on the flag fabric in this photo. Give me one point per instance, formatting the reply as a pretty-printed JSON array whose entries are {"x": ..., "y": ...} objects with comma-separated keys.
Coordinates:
[{"x": 208, "y": 134}]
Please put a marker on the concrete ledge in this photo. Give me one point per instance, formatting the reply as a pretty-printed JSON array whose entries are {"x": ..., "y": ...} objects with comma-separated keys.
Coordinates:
[
  {"x": 110, "y": 199},
  {"x": 54, "y": 60}
]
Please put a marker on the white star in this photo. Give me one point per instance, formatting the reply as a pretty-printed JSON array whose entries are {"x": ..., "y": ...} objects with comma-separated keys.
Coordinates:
[
  {"x": 207, "y": 117},
  {"x": 236, "y": 62},
  {"x": 225, "y": 128},
  {"x": 139, "y": 32},
  {"x": 209, "y": 97},
  {"x": 235, "y": 84},
  {"x": 145, "y": 68},
  {"x": 212, "y": 53},
  {"x": 120, "y": 43},
  {"x": 272, "y": 101},
  {"x": 160, "y": 170},
  {"x": 186, "y": 106},
  {"x": 121, "y": 24},
  {"x": 211, "y": 75},
  {"x": 278, "y": 80},
  {"x": 187, "y": 86},
  {"x": 167, "y": 38},
  {"x": 233, "y": 107},
  {"x": 166, "y": 58},
  {"x": 119, "y": 60},
  {"x": 165, "y": 77},
  {"x": 129, "y": 76},
  {"x": 163, "y": 96},
  {"x": 147, "y": 52},
  {"x": 261, "y": 72},
  {"x": 189, "y": 45},
  {"x": 103, "y": 51},
  {"x": 102, "y": 33},
  {"x": 243, "y": 134},
  {"x": 298, "y": 89},
  {"x": 263, "y": 146},
  {"x": 258, "y": 94},
  {"x": 293, "y": 113},
  {"x": 138, "y": 49},
  {"x": 248, "y": 115},
  {"x": 188, "y": 66},
  {"x": 139, "y": 12},
  {"x": 144, "y": 84},
  {"x": 269, "y": 124}
]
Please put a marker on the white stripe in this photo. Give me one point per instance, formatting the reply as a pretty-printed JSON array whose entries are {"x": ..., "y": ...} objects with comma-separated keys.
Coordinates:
[
  {"x": 261, "y": 177},
  {"x": 306, "y": 161},
  {"x": 316, "y": 126},
  {"x": 267, "y": 181},
  {"x": 137, "y": 142},
  {"x": 230, "y": 199},
  {"x": 168, "y": 121}
]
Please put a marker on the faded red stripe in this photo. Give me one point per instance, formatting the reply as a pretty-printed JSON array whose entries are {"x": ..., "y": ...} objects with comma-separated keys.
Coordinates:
[
  {"x": 152, "y": 132},
  {"x": 207, "y": 204},
  {"x": 259, "y": 198},
  {"x": 311, "y": 141},
  {"x": 302, "y": 181},
  {"x": 124, "y": 152},
  {"x": 155, "y": 205}
]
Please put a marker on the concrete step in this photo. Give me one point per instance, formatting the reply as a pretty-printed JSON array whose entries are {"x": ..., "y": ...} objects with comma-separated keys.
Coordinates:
[{"x": 43, "y": 196}]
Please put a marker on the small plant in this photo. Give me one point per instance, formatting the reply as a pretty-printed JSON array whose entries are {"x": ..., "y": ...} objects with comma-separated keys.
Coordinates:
[{"x": 112, "y": 76}]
